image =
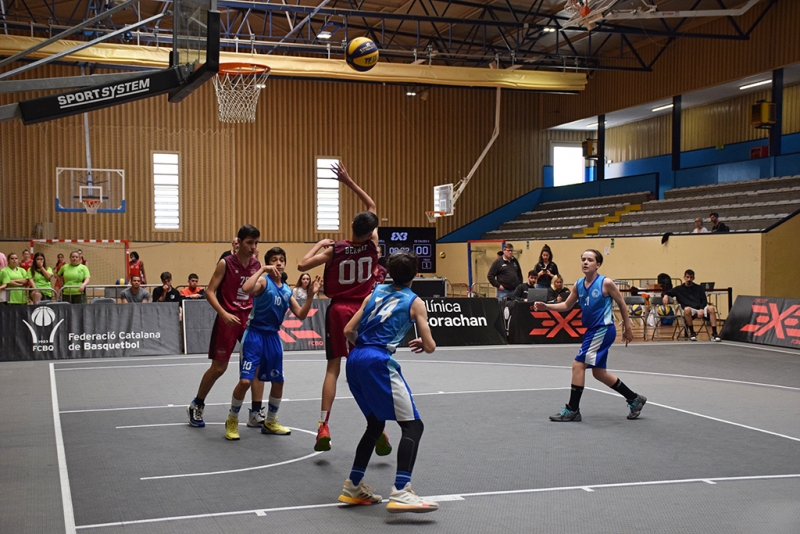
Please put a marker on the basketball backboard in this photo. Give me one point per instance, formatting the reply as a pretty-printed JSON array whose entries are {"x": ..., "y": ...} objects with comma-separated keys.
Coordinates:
[
  {"x": 443, "y": 199},
  {"x": 103, "y": 187}
]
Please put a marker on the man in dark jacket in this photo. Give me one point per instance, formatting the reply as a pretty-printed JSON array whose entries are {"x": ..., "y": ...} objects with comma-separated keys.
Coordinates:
[
  {"x": 694, "y": 302},
  {"x": 505, "y": 273},
  {"x": 719, "y": 227}
]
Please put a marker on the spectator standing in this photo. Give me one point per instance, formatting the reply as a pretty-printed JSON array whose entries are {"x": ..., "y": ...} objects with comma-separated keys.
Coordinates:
[
  {"x": 719, "y": 227},
  {"x": 505, "y": 273},
  {"x": 694, "y": 302},
  {"x": 521, "y": 292},
  {"x": 193, "y": 291},
  {"x": 3, "y": 292},
  {"x": 58, "y": 283},
  {"x": 42, "y": 278},
  {"x": 75, "y": 277},
  {"x": 12, "y": 277},
  {"x": 698, "y": 226},
  {"x": 166, "y": 293},
  {"x": 136, "y": 267},
  {"x": 300, "y": 291},
  {"x": 546, "y": 269},
  {"x": 558, "y": 293},
  {"x": 83, "y": 260},
  {"x": 136, "y": 293},
  {"x": 27, "y": 261}
]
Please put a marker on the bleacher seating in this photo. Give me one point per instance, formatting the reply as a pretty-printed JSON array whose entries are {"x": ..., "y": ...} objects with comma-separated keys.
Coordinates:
[{"x": 564, "y": 218}]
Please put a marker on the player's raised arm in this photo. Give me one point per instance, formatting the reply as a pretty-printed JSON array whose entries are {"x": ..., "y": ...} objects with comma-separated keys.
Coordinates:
[
  {"x": 320, "y": 253},
  {"x": 351, "y": 330},
  {"x": 255, "y": 284},
  {"x": 425, "y": 340},
  {"x": 344, "y": 177},
  {"x": 302, "y": 312}
]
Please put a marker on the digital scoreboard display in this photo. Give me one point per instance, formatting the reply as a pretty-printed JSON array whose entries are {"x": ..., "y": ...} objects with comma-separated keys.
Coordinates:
[{"x": 421, "y": 241}]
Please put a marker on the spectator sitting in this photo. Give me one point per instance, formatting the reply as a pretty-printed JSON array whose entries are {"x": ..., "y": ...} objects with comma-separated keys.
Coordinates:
[
  {"x": 692, "y": 298},
  {"x": 27, "y": 261},
  {"x": 136, "y": 293},
  {"x": 41, "y": 277},
  {"x": 698, "y": 226},
  {"x": 13, "y": 276},
  {"x": 719, "y": 227},
  {"x": 136, "y": 267},
  {"x": 558, "y": 293},
  {"x": 505, "y": 273},
  {"x": 521, "y": 292},
  {"x": 193, "y": 291},
  {"x": 166, "y": 293},
  {"x": 300, "y": 291}
]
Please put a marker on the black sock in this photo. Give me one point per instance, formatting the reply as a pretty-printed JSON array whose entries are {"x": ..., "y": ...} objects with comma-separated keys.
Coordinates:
[
  {"x": 714, "y": 331},
  {"x": 256, "y": 406},
  {"x": 200, "y": 403},
  {"x": 624, "y": 390},
  {"x": 575, "y": 397}
]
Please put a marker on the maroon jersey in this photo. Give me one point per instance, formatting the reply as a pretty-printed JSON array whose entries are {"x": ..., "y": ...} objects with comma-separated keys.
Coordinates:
[
  {"x": 348, "y": 276},
  {"x": 229, "y": 293}
]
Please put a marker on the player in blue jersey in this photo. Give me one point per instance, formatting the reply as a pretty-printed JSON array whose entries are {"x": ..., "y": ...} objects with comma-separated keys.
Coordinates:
[
  {"x": 378, "y": 386},
  {"x": 594, "y": 293},
  {"x": 262, "y": 353}
]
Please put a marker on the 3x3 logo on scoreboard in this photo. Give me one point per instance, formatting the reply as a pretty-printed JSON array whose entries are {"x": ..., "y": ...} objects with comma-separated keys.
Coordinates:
[
  {"x": 421, "y": 241},
  {"x": 764, "y": 320}
]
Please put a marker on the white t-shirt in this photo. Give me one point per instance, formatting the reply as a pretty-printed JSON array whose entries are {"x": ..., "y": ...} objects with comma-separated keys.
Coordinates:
[{"x": 702, "y": 230}]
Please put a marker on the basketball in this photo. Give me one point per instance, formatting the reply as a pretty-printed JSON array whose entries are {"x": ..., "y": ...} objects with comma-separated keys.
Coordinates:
[
  {"x": 361, "y": 54},
  {"x": 120, "y": 282},
  {"x": 637, "y": 310}
]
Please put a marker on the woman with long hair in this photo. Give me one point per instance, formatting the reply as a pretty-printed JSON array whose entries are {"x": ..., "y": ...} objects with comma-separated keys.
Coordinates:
[
  {"x": 300, "y": 291},
  {"x": 41, "y": 276},
  {"x": 546, "y": 268}
]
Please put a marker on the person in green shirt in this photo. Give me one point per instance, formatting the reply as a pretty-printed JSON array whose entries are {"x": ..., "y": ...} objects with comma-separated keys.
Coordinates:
[
  {"x": 14, "y": 276},
  {"x": 76, "y": 277},
  {"x": 42, "y": 277}
]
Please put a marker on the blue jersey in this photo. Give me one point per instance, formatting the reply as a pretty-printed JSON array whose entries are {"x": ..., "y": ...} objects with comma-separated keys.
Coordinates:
[
  {"x": 269, "y": 308},
  {"x": 595, "y": 307},
  {"x": 386, "y": 318}
]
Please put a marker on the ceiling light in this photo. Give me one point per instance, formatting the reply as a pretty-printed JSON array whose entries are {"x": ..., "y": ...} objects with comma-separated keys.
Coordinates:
[
  {"x": 411, "y": 93},
  {"x": 548, "y": 30},
  {"x": 662, "y": 108},
  {"x": 754, "y": 84},
  {"x": 325, "y": 34}
]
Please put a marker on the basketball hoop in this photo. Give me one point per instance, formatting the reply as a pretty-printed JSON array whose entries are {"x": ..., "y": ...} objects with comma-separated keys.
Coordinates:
[
  {"x": 91, "y": 205},
  {"x": 433, "y": 215},
  {"x": 237, "y": 86}
]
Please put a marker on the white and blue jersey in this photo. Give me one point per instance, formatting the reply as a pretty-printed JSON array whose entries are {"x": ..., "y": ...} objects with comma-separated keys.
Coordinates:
[
  {"x": 261, "y": 344},
  {"x": 598, "y": 318},
  {"x": 373, "y": 375}
]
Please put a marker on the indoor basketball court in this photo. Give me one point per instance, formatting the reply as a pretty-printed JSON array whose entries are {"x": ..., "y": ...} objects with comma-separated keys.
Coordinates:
[{"x": 146, "y": 132}]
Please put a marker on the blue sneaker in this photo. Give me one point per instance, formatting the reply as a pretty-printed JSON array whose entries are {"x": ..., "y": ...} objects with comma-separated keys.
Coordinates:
[
  {"x": 195, "y": 415},
  {"x": 566, "y": 415},
  {"x": 636, "y": 406}
]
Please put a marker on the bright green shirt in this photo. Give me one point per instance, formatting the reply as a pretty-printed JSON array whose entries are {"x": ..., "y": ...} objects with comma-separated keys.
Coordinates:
[
  {"x": 14, "y": 296},
  {"x": 73, "y": 275},
  {"x": 41, "y": 281}
]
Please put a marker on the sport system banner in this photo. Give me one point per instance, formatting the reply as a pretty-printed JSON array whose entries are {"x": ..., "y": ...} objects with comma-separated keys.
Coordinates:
[
  {"x": 199, "y": 317},
  {"x": 764, "y": 320},
  {"x": 88, "y": 331},
  {"x": 526, "y": 326}
]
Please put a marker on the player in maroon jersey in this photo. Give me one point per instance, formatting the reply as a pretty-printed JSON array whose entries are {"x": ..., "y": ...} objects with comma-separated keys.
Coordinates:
[
  {"x": 233, "y": 306},
  {"x": 348, "y": 280}
]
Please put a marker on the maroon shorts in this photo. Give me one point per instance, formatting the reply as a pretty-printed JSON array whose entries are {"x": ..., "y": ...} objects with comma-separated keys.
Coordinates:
[
  {"x": 336, "y": 318},
  {"x": 224, "y": 337}
]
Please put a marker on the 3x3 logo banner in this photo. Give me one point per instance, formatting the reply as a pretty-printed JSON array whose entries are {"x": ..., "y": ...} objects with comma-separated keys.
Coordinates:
[
  {"x": 527, "y": 326},
  {"x": 764, "y": 320}
]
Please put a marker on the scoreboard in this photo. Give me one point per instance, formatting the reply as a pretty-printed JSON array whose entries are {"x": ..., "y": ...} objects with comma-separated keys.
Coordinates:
[{"x": 421, "y": 241}]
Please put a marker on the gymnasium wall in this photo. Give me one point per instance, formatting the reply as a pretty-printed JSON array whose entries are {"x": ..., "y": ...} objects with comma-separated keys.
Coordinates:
[
  {"x": 780, "y": 261},
  {"x": 687, "y": 64}
]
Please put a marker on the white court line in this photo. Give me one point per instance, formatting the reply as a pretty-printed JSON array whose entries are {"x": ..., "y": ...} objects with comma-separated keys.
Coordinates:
[
  {"x": 66, "y": 494},
  {"x": 451, "y": 497},
  {"x": 704, "y": 416}
]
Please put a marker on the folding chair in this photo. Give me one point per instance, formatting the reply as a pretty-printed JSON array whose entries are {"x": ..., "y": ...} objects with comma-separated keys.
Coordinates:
[
  {"x": 684, "y": 331},
  {"x": 662, "y": 315},
  {"x": 636, "y": 311},
  {"x": 103, "y": 300}
]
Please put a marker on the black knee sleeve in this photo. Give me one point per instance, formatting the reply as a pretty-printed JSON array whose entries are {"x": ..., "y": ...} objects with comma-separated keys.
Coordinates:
[{"x": 409, "y": 444}]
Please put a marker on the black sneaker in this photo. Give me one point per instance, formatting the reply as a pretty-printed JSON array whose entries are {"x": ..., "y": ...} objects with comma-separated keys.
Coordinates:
[
  {"x": 195, "y": 415},
  {"x": 636, "y": 406},
  {"x": 566, "y": 415}
]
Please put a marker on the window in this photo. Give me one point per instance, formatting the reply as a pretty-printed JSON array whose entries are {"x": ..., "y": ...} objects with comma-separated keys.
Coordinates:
[
  {"x": 166, "y": 191},
  {"x": 327, "y": 196},
  {"x": 568, "y": 164}
]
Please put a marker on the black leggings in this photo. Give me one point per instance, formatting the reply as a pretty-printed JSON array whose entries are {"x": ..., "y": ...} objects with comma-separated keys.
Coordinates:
[{"x": 406, "y": 450}]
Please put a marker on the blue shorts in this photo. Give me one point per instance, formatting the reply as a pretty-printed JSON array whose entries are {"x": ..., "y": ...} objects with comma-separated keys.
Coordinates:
[
  {"x": 596, "y": 342},
  {"x": 261, "y": 351},
  {"x": 378, "y": 385}
]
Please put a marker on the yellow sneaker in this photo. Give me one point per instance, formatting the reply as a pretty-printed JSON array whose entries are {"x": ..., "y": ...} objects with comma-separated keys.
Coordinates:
[
  {"x": 232, "y": 428},
  {"x": 274, "y": 427},
  {"x": 361, "y": 494}
]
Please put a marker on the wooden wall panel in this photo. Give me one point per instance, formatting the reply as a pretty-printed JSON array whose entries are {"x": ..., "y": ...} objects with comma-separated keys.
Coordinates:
[
  {"x": 791, "y": 109},
  {"x": 721, "y": 123},
  {"x": 640, "y": 139}
]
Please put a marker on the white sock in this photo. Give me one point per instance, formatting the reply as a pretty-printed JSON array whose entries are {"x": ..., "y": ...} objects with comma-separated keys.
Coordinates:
[
  {"x": 236, "y": 405},
  {"x": 323, "y": 416},
  {"x": 272, "y": 408}
]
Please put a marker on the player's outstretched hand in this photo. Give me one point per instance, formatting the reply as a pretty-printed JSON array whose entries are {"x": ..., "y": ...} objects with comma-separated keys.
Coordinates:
[
  {"x": 341, "y": 173},
  {"x": 316, "y": 284},
  {"x": 416, "y": 345},
  {"x": 539, "y": 306}
]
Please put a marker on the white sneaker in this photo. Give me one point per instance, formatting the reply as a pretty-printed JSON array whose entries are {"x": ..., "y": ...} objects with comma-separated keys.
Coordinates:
[
  {"x": 361, "y": 494},
  {"x": 693, "y": 337},
  {"x": 257, "y": 418},
  {"x": 717, "y": 339},
  {"x": 405, "y": 500}
]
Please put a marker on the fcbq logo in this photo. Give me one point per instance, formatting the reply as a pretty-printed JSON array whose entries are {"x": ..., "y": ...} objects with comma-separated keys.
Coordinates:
[
  {"x": 43, "y": 316},
  {"x": 769, "y": 319}
]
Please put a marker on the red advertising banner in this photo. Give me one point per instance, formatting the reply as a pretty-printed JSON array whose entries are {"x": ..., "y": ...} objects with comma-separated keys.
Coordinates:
[
  {"x": 764, "y": 320},
  {"x": 527, "y": 326}
]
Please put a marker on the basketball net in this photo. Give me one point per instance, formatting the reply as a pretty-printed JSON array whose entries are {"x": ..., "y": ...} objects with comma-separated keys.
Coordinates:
[
  {"x": 238, "y": 86},
  {"x": 91, "y": 205}
]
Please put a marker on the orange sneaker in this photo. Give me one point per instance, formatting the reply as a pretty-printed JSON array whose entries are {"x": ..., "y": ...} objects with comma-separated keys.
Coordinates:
[{"x": 323, "y": 437}]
